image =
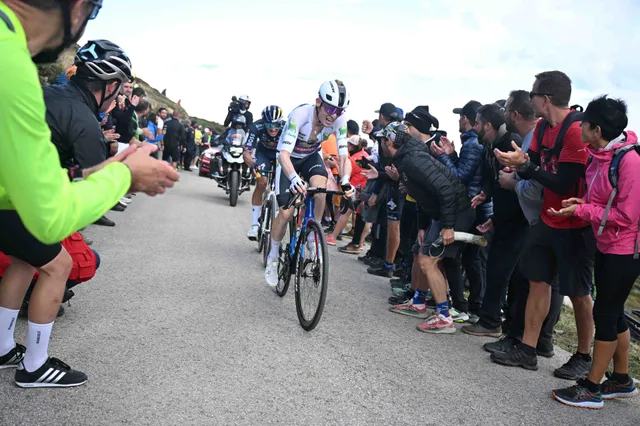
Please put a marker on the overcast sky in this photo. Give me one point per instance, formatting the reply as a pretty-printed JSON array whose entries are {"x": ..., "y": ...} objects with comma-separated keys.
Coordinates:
[{"x": 436, "y": 53}]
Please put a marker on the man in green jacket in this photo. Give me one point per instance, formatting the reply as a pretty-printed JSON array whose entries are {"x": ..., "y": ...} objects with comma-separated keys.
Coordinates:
[{"x": 39, "y": 204}]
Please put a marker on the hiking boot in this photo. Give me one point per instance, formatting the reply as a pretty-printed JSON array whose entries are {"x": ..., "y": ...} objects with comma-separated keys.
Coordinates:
[
  {"x": 579, "y": 395},
  {"x": 516, "y": 357},
  {"x": 576, "y": 368},
  {"x": 380, "y": 271},
  {"x": 478, "y": 330},
  {"x": 503, "y": 345},
  {"x": 545, "y": 349}
]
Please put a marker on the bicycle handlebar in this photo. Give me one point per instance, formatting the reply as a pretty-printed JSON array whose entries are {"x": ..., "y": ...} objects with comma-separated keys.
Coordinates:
[{"x": 314, "y": 191}]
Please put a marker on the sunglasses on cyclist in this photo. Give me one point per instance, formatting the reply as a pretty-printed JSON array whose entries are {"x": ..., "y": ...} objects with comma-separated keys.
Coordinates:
[
  {"x": 97, "y": 5},
  {"x": 331, "y": 110},
  {"x": 270, "y": 126}
]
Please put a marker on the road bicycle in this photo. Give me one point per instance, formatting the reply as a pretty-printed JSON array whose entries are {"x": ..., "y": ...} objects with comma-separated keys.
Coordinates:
[
  {"x": 268, "y": 213},
  {"x": 304, "y": 253}
]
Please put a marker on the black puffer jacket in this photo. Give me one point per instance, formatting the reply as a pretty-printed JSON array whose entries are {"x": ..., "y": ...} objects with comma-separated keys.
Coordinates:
[
  {"x": 506, "y": 207},
  {"x": 438, "y": 191}
]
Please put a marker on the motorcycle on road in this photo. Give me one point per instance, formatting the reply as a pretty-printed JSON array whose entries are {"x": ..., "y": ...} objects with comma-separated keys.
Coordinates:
[{"x": 230, "y": 171}]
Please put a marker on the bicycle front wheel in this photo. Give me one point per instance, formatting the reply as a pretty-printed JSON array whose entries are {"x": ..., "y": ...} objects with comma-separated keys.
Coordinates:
[
  {"x": 312, "y": 276},
  {"x": 285, "y": 265}
]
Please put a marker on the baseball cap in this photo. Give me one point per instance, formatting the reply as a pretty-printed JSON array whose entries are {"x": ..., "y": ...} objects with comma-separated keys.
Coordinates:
[
  {"x": 354, "y": 140},
  {"x": 469, "y": 110},
  {"x": 392, "y": 130},
  {"x": 388, "y": 110}
]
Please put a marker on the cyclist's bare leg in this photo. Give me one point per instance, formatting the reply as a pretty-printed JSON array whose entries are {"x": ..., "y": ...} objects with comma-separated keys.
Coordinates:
[
  {"x": 258, "y": 192},
  {"x": 279, "y": 225}
]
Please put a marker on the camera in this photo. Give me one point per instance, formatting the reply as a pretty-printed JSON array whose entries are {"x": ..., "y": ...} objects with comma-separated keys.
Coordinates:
[
  {"x": 235, "y": 105},
  {"x": 436, "y": 137},
  {"x": 364, "y": 163}
]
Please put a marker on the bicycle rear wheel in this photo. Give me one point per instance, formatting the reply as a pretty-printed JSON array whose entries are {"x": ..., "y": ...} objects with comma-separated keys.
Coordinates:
[
  {"x": 312, "y": 276},
  {"x": 285, "y": 265}
]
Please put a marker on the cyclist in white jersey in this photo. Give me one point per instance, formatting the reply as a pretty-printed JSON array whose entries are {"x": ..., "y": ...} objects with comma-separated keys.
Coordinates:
[{"x": 300, "y": 161}]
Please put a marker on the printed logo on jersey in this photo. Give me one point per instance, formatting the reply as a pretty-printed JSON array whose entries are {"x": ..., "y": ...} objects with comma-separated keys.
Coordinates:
[{"x": 342, "y": 132}]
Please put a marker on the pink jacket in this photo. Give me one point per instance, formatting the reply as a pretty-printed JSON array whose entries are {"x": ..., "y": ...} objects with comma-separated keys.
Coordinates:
[{"x": 621, "y": 230}]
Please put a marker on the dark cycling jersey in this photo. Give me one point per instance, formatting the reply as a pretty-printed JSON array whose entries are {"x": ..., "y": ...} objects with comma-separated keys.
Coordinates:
[{"x": 258, "y": 135}]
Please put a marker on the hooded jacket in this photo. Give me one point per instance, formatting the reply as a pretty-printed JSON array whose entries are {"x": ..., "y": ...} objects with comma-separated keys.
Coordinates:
[
  {"x": 620, "y": 233},
  {"x": 438, "y": 191}
]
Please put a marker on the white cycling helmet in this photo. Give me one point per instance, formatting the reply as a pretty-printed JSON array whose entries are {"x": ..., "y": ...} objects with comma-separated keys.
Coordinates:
[{"x": 333, "y": 92}]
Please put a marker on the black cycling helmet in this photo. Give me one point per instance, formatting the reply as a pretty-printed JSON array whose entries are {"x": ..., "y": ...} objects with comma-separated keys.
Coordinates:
[
  {"x": 271, "y": 114},
  {"x": 103, "y": 60}
]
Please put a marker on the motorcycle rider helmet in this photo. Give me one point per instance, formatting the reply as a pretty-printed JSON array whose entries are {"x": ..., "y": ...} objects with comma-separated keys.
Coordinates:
[
  {"x": 272, "y": 114},
  {"x": 334, "y": 93},
  {"x": 103, "y": 60},
  {"x": 239, "y": 120},
  {"x": 244, "y": 99}
]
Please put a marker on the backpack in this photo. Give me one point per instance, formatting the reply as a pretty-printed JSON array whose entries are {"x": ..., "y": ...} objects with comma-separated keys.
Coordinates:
[
  {"x": 618, "y": 154},
  {"x": 574, "y": 115}
]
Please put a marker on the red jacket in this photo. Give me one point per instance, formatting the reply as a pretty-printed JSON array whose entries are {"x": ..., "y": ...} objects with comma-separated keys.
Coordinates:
[{"x": 84, "y": 259}]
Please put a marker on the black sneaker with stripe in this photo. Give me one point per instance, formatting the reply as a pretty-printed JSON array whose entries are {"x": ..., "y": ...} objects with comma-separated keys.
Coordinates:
[
  {"x": 53, "y": 374},
  {"x": 13, "y": 358}
]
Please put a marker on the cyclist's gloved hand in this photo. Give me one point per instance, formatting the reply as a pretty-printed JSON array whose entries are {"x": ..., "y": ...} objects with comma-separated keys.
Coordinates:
[
  {"x": 349, "y": 190},
  {"x": 297, "y": 184}
]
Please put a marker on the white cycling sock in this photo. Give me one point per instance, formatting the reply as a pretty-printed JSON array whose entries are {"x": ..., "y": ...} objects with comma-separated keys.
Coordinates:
[
  {"x": 275, "y": 250},
  {"x": 37, "y": 346},
  {"x": 255, "y": 214},
  {"x": 8, "y": 319}
]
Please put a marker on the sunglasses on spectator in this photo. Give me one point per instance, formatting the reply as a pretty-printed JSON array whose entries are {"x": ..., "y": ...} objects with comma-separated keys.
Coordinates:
[
  {"x": 533, "y": 94},
  {"x": 275, "y": 125},
  {"x": 331, "y": 110}
]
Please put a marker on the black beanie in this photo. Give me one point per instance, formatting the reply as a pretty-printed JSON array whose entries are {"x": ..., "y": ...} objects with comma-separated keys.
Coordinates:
[{"x": 421, "y": 119}]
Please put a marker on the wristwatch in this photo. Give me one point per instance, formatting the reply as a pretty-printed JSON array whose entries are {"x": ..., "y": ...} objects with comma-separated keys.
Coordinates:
[{"x": 527, "y": 166}]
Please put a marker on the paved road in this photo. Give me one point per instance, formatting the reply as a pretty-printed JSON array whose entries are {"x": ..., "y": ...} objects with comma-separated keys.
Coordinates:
[{"x": 178, "y": 328}]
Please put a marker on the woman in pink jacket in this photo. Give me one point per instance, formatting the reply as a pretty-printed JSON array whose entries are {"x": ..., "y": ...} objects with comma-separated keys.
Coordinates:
[{"x": 614, "y": 213}]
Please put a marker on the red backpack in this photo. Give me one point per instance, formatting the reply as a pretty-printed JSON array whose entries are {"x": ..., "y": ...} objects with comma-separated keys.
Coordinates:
[{"x": 84, "y": 259}]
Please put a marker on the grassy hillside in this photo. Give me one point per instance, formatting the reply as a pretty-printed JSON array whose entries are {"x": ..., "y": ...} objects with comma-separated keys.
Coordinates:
[{"x": 49, "y": 73}]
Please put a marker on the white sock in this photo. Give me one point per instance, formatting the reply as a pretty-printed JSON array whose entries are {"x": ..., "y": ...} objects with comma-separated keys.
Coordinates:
[
  {"x": 37, "y": 346},
  {"x": 8, "y": 319},
  {"x": 275, "y": 250},
  {"x": 255, "y": 214}
]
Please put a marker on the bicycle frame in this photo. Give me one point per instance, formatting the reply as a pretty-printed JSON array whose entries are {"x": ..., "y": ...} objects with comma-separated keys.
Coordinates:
[{"x": 309, "y": 208}]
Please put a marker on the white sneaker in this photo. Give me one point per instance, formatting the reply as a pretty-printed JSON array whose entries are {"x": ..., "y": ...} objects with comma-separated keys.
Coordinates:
[
  {"x": 253, "y": 232},
  {"x": 271, "y": 273},
  {"x": 311, "y": 248},
  {"x": 125, "y": 201}
]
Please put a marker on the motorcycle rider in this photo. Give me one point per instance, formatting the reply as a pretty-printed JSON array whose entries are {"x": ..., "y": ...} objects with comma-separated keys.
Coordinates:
[
  {"x": 299, "y": 157},
  {"x": 236, "y": 131},
  {"x": 263, "y": 136},
  {"x": 239, "y": 106}
]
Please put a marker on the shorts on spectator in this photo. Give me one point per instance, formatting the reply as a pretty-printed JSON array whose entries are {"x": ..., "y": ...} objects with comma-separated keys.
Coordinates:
[
  {"x": 17, "y": 241},
  {"x": 395, "y": 202},
  {"x": 464, "y": 223},
  {"x": 567, "y": 253}
]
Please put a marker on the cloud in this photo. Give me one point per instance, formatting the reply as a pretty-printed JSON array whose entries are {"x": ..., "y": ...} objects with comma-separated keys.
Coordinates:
[{"x": 411, "y": 53}]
